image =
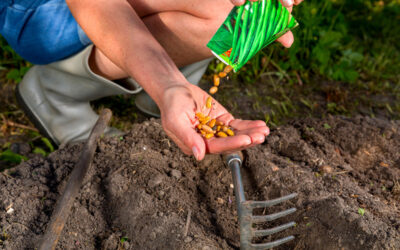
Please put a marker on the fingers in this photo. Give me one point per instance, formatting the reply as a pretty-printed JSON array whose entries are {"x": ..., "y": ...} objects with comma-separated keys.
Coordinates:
[
  {"x": 248, "y": 133},
  {"x": 226, "y": 118},
  {"x": 287, "y": 3},
  {"x": 256, "y": 130},
  {"x": 243, "y": 139},
  {"x": 290, "y": 3},
  {"x": 182, "y": 132},
  {"x": 297, "y": 2},
  {"x": 287, "y": 39},
  {"x": 239, "y": 124},
  {"x": 195, "y": 142},
  {"x": 256, "y": 134},
  {"x": 227, "y": 144}
]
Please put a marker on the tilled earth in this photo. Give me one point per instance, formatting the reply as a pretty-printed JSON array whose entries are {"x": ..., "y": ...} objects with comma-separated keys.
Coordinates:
[{"x": 140, "y": 190}]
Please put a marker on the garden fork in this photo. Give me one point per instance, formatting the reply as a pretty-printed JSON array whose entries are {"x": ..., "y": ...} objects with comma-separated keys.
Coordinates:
[{"x": 245, "y": 211}]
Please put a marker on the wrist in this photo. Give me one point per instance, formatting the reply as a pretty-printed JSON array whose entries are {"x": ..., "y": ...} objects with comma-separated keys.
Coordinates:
[
  {"x": 164, "y": 88},
  {"x": 157, "y": 81},
  {"x": 178, "y": 92}
]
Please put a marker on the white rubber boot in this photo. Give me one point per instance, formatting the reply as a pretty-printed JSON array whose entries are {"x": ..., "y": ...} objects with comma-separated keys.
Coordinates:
[
  {"x": 193, "y": 74},
  {"x": 56, "y": 97}
]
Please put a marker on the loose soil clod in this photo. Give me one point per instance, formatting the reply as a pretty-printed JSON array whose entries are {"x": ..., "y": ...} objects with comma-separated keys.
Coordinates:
[{"x": 131, "y": 200}]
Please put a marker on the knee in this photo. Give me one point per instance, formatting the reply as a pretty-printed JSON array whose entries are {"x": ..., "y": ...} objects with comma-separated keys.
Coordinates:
[
  {"x": 217, "y": 12},
  {"x": 214, "y": 19}
]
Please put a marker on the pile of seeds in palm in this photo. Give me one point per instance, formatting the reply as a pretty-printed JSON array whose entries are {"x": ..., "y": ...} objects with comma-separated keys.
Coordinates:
[{"x": 209, "y": 127}]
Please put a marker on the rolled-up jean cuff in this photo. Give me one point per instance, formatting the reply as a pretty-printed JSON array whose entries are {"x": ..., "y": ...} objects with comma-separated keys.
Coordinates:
[{"x": 82, "y": 36}]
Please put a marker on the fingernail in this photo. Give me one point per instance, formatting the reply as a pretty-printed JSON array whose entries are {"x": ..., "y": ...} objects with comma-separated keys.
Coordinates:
[
  {"x": 196, "y": 153},
  {"x": 287, "y": 3}
]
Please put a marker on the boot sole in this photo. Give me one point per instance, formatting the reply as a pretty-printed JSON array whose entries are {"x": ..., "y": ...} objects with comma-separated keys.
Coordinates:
[{"x": 32, "y": 117}]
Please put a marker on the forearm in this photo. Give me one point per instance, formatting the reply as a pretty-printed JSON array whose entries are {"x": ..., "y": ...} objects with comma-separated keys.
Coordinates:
[{"x": 120, "y": 34}]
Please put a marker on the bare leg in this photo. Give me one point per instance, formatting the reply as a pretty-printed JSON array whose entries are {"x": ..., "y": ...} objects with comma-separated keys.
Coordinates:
[{"x": 183, "y": 28}]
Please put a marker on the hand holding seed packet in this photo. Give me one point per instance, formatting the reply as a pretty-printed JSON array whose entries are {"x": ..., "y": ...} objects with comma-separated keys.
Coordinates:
[{"x": 249, "y": 28}]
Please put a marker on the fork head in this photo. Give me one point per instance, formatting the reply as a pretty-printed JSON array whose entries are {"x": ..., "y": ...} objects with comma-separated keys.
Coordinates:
[
  {"x": 245, "y": 211},
  {"x": 247, "y": 219}
]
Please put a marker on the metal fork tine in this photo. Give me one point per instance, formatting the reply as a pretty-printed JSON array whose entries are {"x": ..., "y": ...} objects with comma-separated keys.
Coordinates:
[
  {"x": 265, "y": 232},
  {"x": 270, "y": 203},
  {"x": 272, "y": 244},
  {"x": 271, "y": 217}
]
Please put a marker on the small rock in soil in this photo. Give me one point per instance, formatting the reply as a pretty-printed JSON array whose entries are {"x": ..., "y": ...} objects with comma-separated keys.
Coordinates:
[
  {"x": 155, "y": 181},
  {"x": 20, "y": 148},
  {"x": 161, "y": 193},
  {"x": 325, "y": 169},
  {"x": 174, "y": 164},
  {"x": 188, "y": 239},
  {"x": 176, "y": 173}
]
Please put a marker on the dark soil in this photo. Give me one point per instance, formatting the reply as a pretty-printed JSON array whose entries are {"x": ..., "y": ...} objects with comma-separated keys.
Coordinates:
[{"x": 140, "y": 189}]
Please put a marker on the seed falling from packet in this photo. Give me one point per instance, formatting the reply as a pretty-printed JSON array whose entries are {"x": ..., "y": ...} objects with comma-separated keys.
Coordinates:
[{"x": 248, "y": 29}]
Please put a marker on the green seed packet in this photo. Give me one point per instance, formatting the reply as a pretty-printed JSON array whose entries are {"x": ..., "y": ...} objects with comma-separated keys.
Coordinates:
[{"x": 248, "y": 29}]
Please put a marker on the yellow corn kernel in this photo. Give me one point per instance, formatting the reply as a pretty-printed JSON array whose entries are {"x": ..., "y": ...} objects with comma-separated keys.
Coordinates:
[
  {"x": 200, "y": 115},
  {"x": 209, "y": 102},
  {"x": 221, "y": 134},
  {"x": 209, "y": 135},
  {"x": 218, "y": 128},
  {"x": 221, "y": 74},
  {"x": 228, "y": 69},
  {"x": 213, "y": 90},
  {"x": 207, "y": 129},
  {"x": 205, "y": 120},
  {"x": 220, "y": 123},
  {"x": 199, "y": 127},
  {"x": 212, "y": 123},
  {"x": 230, "y": 132},
  {"x": 224, "y": 128},
  {"x": 217, "y": 80},
  {"x": 203, "y": 133}
]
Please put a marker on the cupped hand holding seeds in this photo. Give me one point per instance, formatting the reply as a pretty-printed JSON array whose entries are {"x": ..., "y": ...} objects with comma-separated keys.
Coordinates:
[
  {"x": 178, "y": 108},
  {"x": 287, "y": 39}
]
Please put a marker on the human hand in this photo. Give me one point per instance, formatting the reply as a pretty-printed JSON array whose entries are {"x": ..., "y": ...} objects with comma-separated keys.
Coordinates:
[
  {"x": 178, "y": 109},
  {"x": 287, "y": 39}
]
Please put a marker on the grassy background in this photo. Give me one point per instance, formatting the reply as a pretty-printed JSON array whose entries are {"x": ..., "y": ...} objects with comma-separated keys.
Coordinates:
[{"x": 344, "y": 61}]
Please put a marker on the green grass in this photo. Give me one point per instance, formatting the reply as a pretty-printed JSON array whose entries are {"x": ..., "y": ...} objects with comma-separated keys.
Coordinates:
[
  {"x": 345, "y": 40},
  {"x": 3, "y": 236},
  {"x": 339, "y": 40},
  {"x": 344, "y": 61},
  {"x": 11, "y": 64}
]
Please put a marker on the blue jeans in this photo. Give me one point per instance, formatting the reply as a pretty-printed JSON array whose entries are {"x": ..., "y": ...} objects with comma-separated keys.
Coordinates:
[{"x": 41, "y": 31}]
